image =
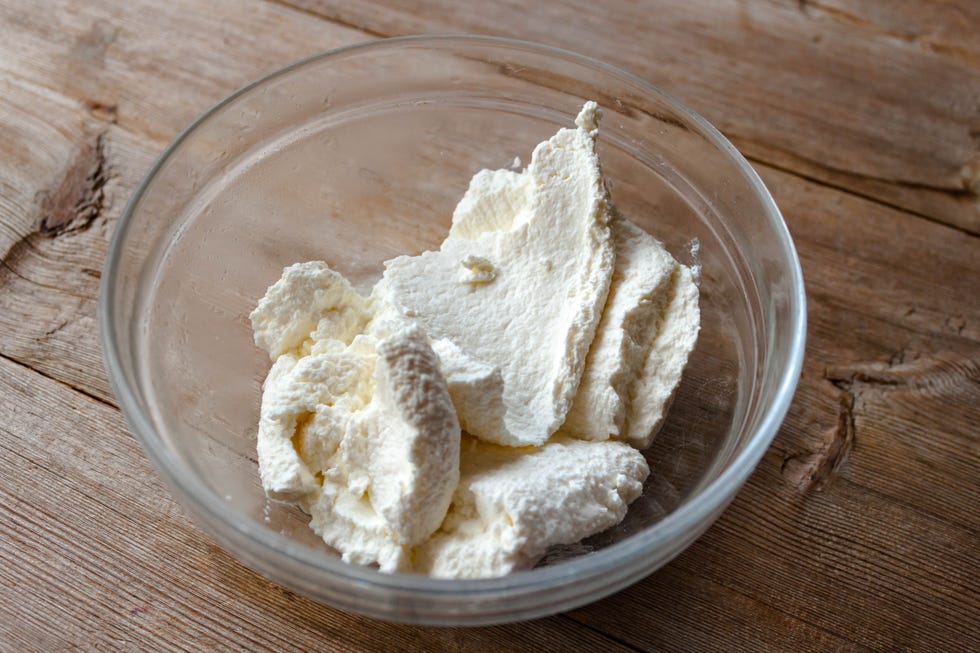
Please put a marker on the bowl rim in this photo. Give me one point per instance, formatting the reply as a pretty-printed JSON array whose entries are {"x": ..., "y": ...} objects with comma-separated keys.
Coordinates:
[{"x": 691, "y": 515}]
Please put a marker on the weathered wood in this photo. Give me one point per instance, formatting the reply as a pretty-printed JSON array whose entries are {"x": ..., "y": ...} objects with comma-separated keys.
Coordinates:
[
  {"x": 857, "y": 532},
  {"x": 881, "y": 100},
  {"x": 818, "y": 88},
  {"x": 67, "y": 176},
  {"x": 155, "y": 67}
]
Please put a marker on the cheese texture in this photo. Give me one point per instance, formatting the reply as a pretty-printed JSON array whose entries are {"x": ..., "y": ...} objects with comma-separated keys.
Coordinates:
[
  {"x": 648, "y": 328},
  {"x": 462, "y": 419},
  {"x": 309, "y": 299},
  {"x": 363, "y": 435},
  {"x": 544, "y": 234},
  {"x": 513, "y": 504},
  {"x": 676, "y": 333}
]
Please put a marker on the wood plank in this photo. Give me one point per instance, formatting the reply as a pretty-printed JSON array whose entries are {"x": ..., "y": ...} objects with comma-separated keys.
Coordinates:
[
  {"x": 119, "y": 59},
  {"x": 840, "y": 334},
  {"x": 857, "y": 531},
  {"x": 680, "y": 609},
  {"x": 878, "y": 287},
  {"x": 854, "y": 558},
  {"x": 95, "y": 555},
  {"x": 67, "y": 176},
  {"x": 881, "y": 99},
  {"x": 950, "y": 27},
  {"x": 855, "y": 565},
  {"x": 91, "y": 93}
]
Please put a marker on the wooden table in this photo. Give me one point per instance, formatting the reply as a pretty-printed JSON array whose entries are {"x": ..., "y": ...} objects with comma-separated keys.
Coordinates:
[{"x": 858, "y": 531}]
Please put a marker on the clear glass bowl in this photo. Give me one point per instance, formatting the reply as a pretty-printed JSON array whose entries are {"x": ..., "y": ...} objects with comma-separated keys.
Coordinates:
[{"x": 360, "y": 154}]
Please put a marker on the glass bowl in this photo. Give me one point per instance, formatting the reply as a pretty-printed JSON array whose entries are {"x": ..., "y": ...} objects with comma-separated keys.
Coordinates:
[{"x": 358, "y": 155}]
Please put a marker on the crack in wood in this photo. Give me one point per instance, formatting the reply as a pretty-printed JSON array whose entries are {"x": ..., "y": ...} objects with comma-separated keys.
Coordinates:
[
  {"x": 812, "y": 470},
  {"x": 102, "y": 110},
  {"x": 921, "y": 34},
  {"x": 965, "y": 192},
  {"x": 934, "y": 375},
  {"x": 82, "y": 391},
  {"x": 558, "y": 82},
  {"x": 759, "y": 160},
  {"x": 5, "y": 264},
  {"x": 854, "y": 19},
  {"x": 80, "y": 197},
  {"x": 72, "y": 207},
  {"x": 333, "y": 18},
  {"x": 53, "y": 330}
]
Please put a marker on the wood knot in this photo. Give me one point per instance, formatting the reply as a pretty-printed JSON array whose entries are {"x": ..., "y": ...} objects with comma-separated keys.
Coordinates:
[
  {"x": 102, "y": 110},
  {"x": 79, "y": 198},
  {"x": 970, "y": 175},
  {"x": 810, "y": 470},
  {"x": 907, "y": 377}
]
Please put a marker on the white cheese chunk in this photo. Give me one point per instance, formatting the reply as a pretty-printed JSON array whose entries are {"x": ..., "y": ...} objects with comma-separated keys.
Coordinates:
[
  {"x": 491, "y": 203},
  {"x": 389, "y": 483},
  {"x": 676, "y": 334},
  {"x": 284, "y": 475},
  {"x": 310, "y": 297},
  {"x": 556, "y": 328},
  {"x": 548, "y": 240},
  {"x": 362, "y": 435},
  {"x": 476, "y": 270},
  {"x": 413, "y": 438},
  {"x": 475, "y": 386},
  {"x": 347, "y": 522},
  {"x": 626, "y": 333},
  {"x": 296, "y": 392},
  {"x": 512, "y": 504}
]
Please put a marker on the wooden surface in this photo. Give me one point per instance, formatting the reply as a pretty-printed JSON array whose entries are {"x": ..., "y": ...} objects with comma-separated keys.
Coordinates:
[{"x": 858, "y": 531}]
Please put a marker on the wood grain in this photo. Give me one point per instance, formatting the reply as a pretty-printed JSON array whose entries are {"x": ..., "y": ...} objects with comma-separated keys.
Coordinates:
[
  {"x": 880, "y": 102},
  {"x": 67, "y": 175},
  {"x": 857, "y": 532},
  {"x": 119, "y": 59}
]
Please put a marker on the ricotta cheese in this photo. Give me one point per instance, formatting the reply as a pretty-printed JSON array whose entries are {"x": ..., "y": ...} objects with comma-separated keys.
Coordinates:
[
  {"x": 544, "y": 233},
  {"x": 363, "y": 435},
  {"x": 676, "y": 333},
  {"x": 391, "y": 477},
  {"x": 309, "y": 298},
  {"x": 513, "y": 504},
  {"x": 617, "y": 368},
  {"x": 412, "y": 452},
  {"x": 462, "y": 419}
]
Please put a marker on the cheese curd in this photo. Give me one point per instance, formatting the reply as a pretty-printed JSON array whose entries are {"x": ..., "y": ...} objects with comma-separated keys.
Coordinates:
[
  {"x": 512, "y": 504},
  {"x": 545, "y": 235},
  {"x": 463, "y": 418}
]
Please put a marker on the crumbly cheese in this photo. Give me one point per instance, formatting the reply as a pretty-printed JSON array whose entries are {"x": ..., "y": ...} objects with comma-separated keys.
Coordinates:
[
  {"x": 677, "y": 331},
  {"x": 412, "y": 452},
  {"x": 309, "y": 298},
  {"x": 630, "y": 323},
  {"x": 545, "y": 234},
  {"x": 477, "y": 269},
  {"x": 284, "y": 475},
  {"x": 363, "y": 435},
  {"x": 542, "y": 310},
  {"x": 475, "y": 384},
  {"x": 513, "y": 504},
  {"x": 306, "y": 403}
]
